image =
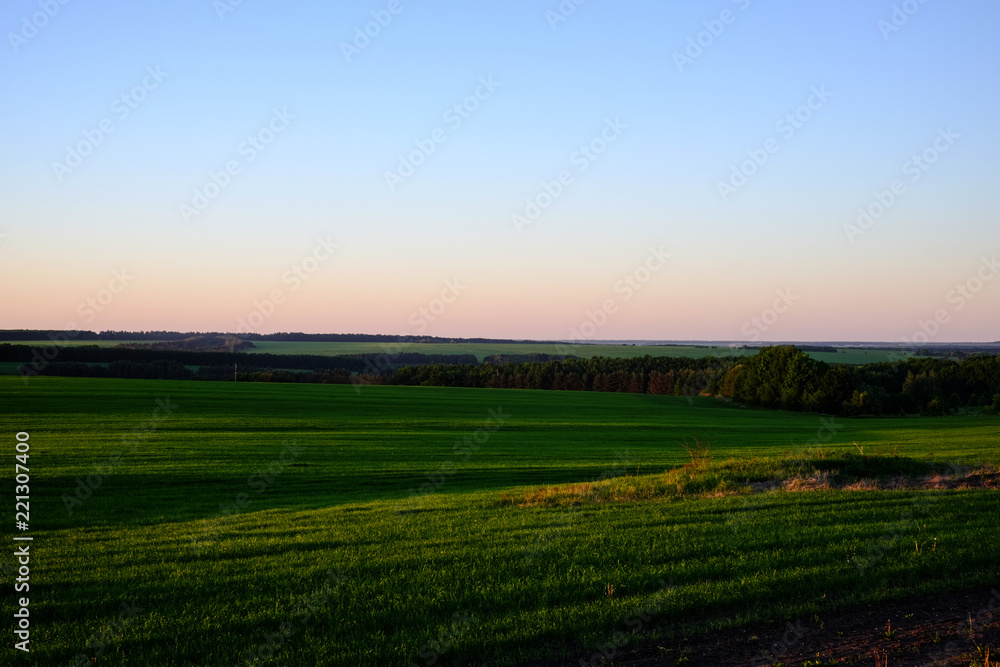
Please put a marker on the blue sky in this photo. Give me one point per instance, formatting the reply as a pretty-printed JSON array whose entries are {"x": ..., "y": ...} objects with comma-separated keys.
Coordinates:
[{"x": 224, "y": 76}]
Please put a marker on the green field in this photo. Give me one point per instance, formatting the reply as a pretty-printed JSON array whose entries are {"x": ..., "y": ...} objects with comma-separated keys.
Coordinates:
[
  {"x": 482, "y": 350},
  {"x": 254, "y": 505}
]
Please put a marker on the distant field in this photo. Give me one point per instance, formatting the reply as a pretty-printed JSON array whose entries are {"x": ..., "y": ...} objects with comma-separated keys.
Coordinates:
[
  {"x": 482, "y": 350},
  {"x": 221, "y": 533}
]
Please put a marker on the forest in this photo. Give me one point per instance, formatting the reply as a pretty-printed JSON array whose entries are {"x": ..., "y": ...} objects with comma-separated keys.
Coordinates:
[{"x": 783, "y": 377}]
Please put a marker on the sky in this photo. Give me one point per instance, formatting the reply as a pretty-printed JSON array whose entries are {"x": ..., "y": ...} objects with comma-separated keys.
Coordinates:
[{"x": 724, "y": 170}]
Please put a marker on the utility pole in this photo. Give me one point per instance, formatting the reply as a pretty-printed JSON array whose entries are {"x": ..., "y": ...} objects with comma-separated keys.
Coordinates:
[{"x": 234, "y": 371}]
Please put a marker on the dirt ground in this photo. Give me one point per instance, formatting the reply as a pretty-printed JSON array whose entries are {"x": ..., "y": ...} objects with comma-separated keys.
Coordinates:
[{"x": 956, "y": 629}]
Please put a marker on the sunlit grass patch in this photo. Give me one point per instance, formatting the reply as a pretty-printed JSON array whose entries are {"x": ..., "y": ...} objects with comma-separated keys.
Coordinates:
[{"x": 702, "y": 477}]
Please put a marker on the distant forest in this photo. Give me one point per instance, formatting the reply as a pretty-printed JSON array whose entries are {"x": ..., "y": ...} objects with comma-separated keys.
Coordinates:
[
  {"x": 781, "y": 377},
  {"x": 77, "y": 335},
  {"x": 50, "y": 360},
  {"x": 61, "y": 336}
]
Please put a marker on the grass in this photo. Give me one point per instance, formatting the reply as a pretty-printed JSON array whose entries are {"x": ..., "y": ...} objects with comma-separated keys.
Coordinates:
[
  {"x": 532, "y": 581},
  {"x": 331, "y": 541},
  {"x": 748, "y": 476}
]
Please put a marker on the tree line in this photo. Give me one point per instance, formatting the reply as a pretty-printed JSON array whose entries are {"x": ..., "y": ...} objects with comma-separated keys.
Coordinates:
[
  {"x": 785, "y": 377},
  {"x": 780, "y": 377},
  {"x": 53, "y": 335},
  {"x": 35, "y": 359}
]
